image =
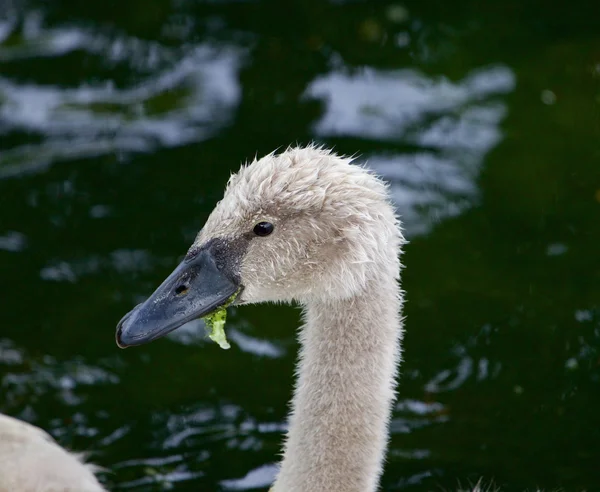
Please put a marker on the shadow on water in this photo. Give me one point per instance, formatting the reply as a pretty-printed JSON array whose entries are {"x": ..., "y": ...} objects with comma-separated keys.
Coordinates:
[{"x": 119, "y": 126}]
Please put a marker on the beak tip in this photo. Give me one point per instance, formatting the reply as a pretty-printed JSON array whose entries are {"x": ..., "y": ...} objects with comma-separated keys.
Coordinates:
[
  {"x": 120, "y": 342},
  {"x": 122, "y": 337}
]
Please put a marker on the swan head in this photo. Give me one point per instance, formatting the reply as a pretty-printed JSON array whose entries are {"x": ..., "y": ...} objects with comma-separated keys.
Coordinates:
[{"x": 304, "y": 225}]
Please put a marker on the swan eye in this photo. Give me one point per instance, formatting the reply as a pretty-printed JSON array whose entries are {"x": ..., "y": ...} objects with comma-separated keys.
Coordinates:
[{"x": 263, "y": 229}]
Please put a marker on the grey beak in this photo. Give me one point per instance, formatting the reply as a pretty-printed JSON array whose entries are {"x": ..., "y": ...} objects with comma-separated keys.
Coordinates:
[{"x": 195, "y": 289}]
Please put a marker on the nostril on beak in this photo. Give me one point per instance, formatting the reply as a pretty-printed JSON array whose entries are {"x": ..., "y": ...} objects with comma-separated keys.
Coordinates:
[{"x": 181, "y": 290}]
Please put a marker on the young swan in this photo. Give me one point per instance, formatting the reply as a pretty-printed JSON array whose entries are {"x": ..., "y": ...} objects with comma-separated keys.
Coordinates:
[
  {"x": 30, "y": 461},
  {"x": 308, "y": 226}
]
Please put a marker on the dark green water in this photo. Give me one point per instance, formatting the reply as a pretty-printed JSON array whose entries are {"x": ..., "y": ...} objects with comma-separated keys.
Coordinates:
[{"x": 120, "y": 122}]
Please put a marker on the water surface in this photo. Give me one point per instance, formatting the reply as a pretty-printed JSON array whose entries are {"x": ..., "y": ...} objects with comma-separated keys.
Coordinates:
[{"x": 120, "y": 123}]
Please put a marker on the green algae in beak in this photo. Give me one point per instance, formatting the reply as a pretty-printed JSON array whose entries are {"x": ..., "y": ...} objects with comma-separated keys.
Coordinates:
[{"x": 215, "y": 324}]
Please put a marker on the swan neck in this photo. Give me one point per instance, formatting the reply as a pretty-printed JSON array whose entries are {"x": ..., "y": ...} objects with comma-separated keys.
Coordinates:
[{"x": 350, "y": 351}]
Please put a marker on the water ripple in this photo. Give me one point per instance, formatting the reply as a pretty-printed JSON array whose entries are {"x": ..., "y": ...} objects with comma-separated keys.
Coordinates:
[
  {"x": 453, "y": 126},
  {"x": 189, "y": 95}
]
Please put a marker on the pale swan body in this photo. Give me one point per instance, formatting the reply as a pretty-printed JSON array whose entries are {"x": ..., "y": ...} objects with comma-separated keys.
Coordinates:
[{"x": 30, "y": 461}]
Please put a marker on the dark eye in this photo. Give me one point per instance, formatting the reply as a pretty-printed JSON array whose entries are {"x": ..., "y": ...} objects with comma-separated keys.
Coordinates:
[{"x": 263, "y": 228}]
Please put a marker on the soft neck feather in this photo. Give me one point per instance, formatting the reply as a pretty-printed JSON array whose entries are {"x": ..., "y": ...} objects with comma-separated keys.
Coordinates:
[{"x": 342, "y": 402}]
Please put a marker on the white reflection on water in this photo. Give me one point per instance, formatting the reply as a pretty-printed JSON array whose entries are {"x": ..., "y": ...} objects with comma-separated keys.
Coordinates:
[
  {"x": 13, "y": 241},
  {"x": 453, "y": 126},
  {"x": 24, "y": 378},
  {"x": 256, "y": 346},
  {"x": 227, "y": 423},
  {"x": 194, "y": 333},
  {"x": 152, "y": 468},
  {"x": 410, "y": 415},
  {"x": 466, "y": 368},
  {"x": 9, "y": 354},
  {"x": 260, "y": 477},
  {"x": 121, "y": 260},
  {"x": 31, "y": 38},
  {"x": 190, "y": 93}
]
